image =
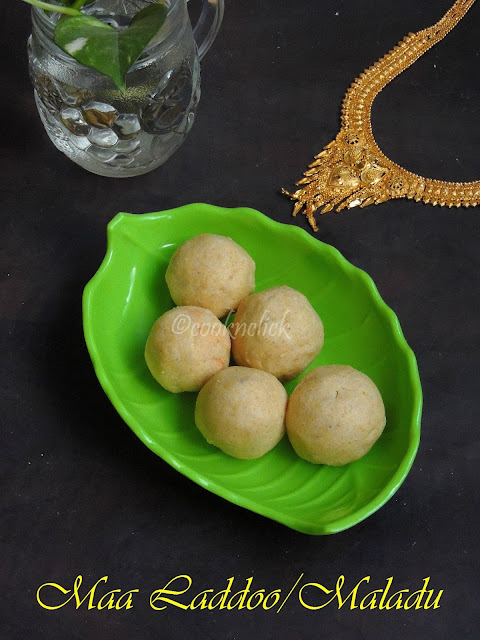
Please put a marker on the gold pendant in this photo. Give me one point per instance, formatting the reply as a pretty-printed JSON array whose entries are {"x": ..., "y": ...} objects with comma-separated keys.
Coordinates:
[{"x": 352, "y": 171}]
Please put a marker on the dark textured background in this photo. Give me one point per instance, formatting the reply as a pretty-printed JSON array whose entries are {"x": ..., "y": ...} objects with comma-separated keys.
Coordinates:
[{"x": 81, "y": 495}]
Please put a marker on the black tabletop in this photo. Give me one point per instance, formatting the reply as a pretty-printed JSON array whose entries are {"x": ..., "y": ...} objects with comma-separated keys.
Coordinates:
[{"x": 82, "y": 496}]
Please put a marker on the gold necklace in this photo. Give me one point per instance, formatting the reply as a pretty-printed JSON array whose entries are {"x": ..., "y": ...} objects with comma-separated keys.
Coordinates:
[{"x": 352, "y": 171}]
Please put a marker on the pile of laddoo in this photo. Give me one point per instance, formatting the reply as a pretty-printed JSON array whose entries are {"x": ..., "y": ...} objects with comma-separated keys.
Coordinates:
[{"x": 335, "y": 413}]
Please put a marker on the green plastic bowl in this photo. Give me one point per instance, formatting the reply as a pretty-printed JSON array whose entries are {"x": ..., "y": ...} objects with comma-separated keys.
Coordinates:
[{"x": 129, "y": 292}]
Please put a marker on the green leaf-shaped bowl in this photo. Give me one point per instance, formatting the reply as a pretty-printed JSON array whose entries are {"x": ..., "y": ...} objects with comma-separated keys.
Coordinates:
[{"x": 127, "y": 295}]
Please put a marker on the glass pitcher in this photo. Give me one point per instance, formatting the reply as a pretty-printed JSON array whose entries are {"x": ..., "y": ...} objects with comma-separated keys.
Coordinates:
[{"x": 91, "y": 121}]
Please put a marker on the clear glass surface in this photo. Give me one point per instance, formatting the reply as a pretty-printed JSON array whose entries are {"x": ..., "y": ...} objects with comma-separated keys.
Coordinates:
[{"x": 91, "y": 121}]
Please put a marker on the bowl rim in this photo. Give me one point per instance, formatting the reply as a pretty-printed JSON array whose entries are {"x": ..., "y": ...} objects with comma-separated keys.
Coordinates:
[{"x": 298, "y": 523}]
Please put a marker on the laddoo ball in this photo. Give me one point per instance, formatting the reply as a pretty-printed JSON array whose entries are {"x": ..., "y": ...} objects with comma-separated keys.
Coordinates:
[
  {"x": 186, "y": 347},
  {"x": 278, "y": 331},
  {"x": 334, "y": 415},
  {"x": 212, "y": 272},
  {"x": 242, "y": 412}
]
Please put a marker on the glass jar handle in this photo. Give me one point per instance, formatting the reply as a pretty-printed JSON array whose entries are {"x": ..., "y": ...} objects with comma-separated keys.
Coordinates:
[{"x": 208, "y": 25}]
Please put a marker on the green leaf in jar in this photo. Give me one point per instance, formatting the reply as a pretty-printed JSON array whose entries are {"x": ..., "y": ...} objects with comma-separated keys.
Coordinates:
[
  {"x": 65, "y": 7},
  {"x": 75, "y": 3},
  {"x": 101, "y": 47}
]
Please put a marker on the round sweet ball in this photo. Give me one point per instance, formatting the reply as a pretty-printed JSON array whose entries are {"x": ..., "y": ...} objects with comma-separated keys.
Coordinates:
[
  {"x": 242, "y": 412},
  {"x": 210, "y": 271},
  {"x": 334, "y": 415},
  {"x": 278, "y": 331},
  {"x": 186, "y": 347}
]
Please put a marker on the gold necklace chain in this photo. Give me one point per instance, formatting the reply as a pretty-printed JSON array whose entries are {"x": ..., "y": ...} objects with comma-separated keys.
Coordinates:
[{"x": 352, "y": 171}]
